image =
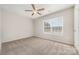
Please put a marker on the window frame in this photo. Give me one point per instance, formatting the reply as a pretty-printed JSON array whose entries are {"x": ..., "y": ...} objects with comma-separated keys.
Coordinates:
[{"x": 51, "y": 32}]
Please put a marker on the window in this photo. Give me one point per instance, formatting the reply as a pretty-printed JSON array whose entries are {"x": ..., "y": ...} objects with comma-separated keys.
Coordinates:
[{"x": 53, "y": 25}]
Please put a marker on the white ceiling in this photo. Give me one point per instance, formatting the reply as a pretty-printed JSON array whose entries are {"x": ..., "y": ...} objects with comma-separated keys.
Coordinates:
[{"x": 49, "y": 8}]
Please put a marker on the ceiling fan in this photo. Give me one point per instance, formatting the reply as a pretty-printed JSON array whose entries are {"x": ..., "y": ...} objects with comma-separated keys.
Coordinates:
[{"x": 35, "y": 10}]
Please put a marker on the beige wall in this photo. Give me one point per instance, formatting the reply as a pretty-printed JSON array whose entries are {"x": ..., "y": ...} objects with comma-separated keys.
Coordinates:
[
  {"x": 68, "y": 17},
  {"x": 76, "y": 26},
  {"x": 16, "y": 26}
]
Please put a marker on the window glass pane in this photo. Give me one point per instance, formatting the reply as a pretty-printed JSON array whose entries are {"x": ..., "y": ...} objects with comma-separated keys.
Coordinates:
[
  {"x": 53, "y": 25},
  {"x": 46, "y": 24},
  {"x": 56, "y": 24},
  {"x": 47, "y": 27}
]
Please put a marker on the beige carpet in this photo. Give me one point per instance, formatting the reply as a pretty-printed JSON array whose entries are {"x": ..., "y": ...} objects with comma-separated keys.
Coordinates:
[{"x": 37, "y": 46}]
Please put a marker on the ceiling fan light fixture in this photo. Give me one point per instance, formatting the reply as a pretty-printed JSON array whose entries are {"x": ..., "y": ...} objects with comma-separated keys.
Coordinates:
[{"x": 35, "y": 10}]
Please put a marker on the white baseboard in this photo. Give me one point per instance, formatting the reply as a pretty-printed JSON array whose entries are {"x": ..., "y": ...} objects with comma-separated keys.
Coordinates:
[{"x": 16, "y": 38}]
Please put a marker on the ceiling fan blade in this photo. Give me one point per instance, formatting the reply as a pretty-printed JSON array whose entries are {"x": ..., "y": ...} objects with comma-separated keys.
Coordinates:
[
  {"x": 33, "y": 6},
  {"x": 32, "y": 14},
  {"x": 41, "y": 9},
  {"x": 27, "y": 10},
  {"x": 39, "y": 13}
]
